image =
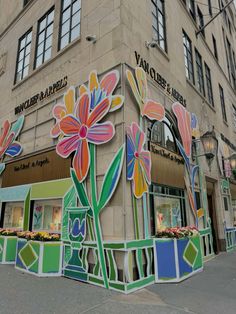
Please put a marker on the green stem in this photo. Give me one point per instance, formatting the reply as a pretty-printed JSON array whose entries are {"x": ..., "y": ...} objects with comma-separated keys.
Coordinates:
[
  {"x": 96, "y": 221},
  {"x": 90, "y": 228},
  {"x": 136, "y": 223}
]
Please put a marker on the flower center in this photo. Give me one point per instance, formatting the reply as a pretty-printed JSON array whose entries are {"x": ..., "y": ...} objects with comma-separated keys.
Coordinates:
[
  {"x": 83, "y": 131},
  {"x": 136, "y": 155}
]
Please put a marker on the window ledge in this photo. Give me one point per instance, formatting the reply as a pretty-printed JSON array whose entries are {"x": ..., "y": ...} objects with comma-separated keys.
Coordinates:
[
  {"x": 164, "y": 53},
  {"x": 45, "y": 64},
  {"x": 202, "y": 96}
]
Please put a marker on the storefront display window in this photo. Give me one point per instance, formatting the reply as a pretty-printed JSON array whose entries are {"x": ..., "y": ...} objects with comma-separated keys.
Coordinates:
[
  {"x": 168, "y": 208},
  {"x": 13, "y": 215},
  {"x": 47, "y": 215}
]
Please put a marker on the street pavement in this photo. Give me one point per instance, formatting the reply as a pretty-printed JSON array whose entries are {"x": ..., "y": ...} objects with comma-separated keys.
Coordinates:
[{"x": 212, "y": 291}]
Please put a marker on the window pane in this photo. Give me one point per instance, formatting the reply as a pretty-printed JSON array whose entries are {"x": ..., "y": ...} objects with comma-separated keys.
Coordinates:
[
  {"x": 75, "y": 32},
  {"x": 39, "y": 60},
  {"x": 65, "y": 28},
  {"x": 47, "y": 54},
  {"x": 50, "y": 17},
  {"x": 66, "y": 15},
  {"x": 25, "y": 71},
  {"x": 48, "y": 42},
  {"x": 27, "y": 49},
  {"x": 64, "y": 40},
  {"x": 13, "y": 216},
  {"x": 22, "y": 43},
  {"x": 27, "y": 58},
  {"x": 41, "y": 37},
  {"x": 21, "y": 55},
  {"x": 20, "y": 65},
  {"x": 18, "y": 76},
  {"x": 29, "y": 37},
  {"x": 47, "y": 215},
  {"x": 75, "y": 19},
  {"x": 40, "y": 49},
  {"x": 49, "y": 30},
  {"x": 42, "y": 24},
  {"x": 75, "y": 7},
  {"x": 66, "y": 3}
]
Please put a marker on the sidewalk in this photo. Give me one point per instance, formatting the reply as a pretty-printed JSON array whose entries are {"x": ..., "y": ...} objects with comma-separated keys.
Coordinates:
[{"x": 211, "y": 292}]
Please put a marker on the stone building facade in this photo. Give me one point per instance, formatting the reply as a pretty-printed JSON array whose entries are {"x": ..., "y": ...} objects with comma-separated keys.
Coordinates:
[{"x": 160, "y": 36}]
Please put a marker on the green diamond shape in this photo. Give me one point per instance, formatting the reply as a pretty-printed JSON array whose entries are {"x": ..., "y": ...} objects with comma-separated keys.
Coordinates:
[
  {"x": 190, "y": 253},
  {"x": 28, "y": 255}
]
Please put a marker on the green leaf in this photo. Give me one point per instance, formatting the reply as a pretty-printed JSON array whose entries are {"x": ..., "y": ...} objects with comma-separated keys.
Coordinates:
[
  {"x": 17, "y": 126},
  {"x": 81, "y": 192},
  {"x": 111, "y": 178}
]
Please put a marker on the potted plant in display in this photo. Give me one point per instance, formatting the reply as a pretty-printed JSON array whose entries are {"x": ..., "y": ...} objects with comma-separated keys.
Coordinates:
[
  {"x": 39, "y": 253},
  {"x": 8, "y": 240},
  {"x": 177, "y": 254}
]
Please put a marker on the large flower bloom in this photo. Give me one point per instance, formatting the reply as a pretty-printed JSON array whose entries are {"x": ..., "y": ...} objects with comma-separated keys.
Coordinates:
[
  {"x": 81, "y": 129},
  {"x": 148, "y": 107},
  {"x": 138, "y": 160},
  {"x": 59, "y": 111},
  {"x": 101, "y": 90},
  {"x": 184, "y": 120},
  {"x": 8, "y": 145}
]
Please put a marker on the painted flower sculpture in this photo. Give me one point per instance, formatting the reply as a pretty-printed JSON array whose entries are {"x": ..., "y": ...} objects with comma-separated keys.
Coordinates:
[
  {"x": 148, "y": 107},
  {"x": 187, "y": 123},
  {"x": 83, "y": 128},
  {"x": 104, "y": 89},
  {"x": 138, "y": 161},
  {"x": 8, "y": 144},
  {"x": 61, "y": 110}
]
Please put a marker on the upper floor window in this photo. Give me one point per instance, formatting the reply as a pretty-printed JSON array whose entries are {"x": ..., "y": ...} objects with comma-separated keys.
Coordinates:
[
  {"x": 25, "y": 2},
  {"x": 222, "y": 102},
  {"x": 201, "y": 20},
  {"x": 158, "y": 22},
  {"x": 70, "y": 21},
  {"x": 23, "y": 56},
  {"x": 210, "y": 7},
  {"x": 200, "y": 78},
  {"x": 231, "y": 63},
  {"x": 188, "y": 57},
  {"x": 209, "y": 85},
  {"x": 215, "y": 47},
  {"x": 44, "y": 38},
  {"x": 234, "y": 116},
  {"x": 191, "y": 7}
]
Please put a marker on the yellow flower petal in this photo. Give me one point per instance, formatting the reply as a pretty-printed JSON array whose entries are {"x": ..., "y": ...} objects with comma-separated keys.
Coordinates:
[
  {"x": 69, "y": 99},
  {"x": 139, "y": 183},
  {"x": 117, "y": 102},
  {"x": 82, "y": 90},
  {"x": 93, "y": 80}
]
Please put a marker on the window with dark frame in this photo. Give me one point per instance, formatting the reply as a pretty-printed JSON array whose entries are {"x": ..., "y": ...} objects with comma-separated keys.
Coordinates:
[
  {"x": 200, "y": 77},
  {"x": 231, "y": 63},
  {"x": 234, "y": 116},
  {"x": 70, "y": 22},
  {"x": 191, "y": 8},
  {"x": 158, "y": 23},
  {"x": 215, "y": 47},
  {"x": 25, "y": 2},
  {"x": 222, "y": 102},
  {"x": 201, "y": 20},
  {"x": 44, "y": 38},
  {"x": 188, "y": 57},
  {"x": 23, "y": 56},
  {"x": 209, "y": 85},
  {"x": 226, "y": 204},
  {"x": 210, "y": 7}
]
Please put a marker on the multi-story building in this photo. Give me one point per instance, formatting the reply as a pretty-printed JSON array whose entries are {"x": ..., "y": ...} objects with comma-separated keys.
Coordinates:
[{"x": 48, "y": 46}]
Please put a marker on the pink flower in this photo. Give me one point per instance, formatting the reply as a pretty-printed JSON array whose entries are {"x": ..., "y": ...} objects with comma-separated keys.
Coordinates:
[
  {"x": 59, "y": 111},
  {"x": 81, "y": 129},
  {"x": 184, "y": 126}
]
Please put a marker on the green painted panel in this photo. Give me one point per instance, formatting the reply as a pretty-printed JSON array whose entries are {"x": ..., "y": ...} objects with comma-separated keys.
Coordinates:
[
  {"x": 69, "y": 201},
  {"x": 205, "y": 231},
  {"x": 114, "y": 246},
  {"x": 50, "y": 189},
  {"x": 11, "y": 249},
  {"x": 141, "y": 283},
  {"x": 36, "y": 246},
  {"x": 112, "y": 265},
  {"x": 139, "y": 244},
  {"x": 51, "y": 257},
  {"x": 26, "y": 212},
  {"x": 1, "y": 248},
  {"x": 198, "y": 262},
  {"x": 76, "y": 275},
  {"x": 139, "y": 258},
  {"x": 117, "y": 286},
  {"x": 96, "y": 280}
]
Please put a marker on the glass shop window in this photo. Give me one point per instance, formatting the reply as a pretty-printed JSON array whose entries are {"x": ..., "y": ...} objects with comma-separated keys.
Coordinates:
[
  {"x": 168, "y": 208},
  {"x": 47, "y": 215},
  {"x": 162, "y": 135},
  {"x": 13, "y": 215}
]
